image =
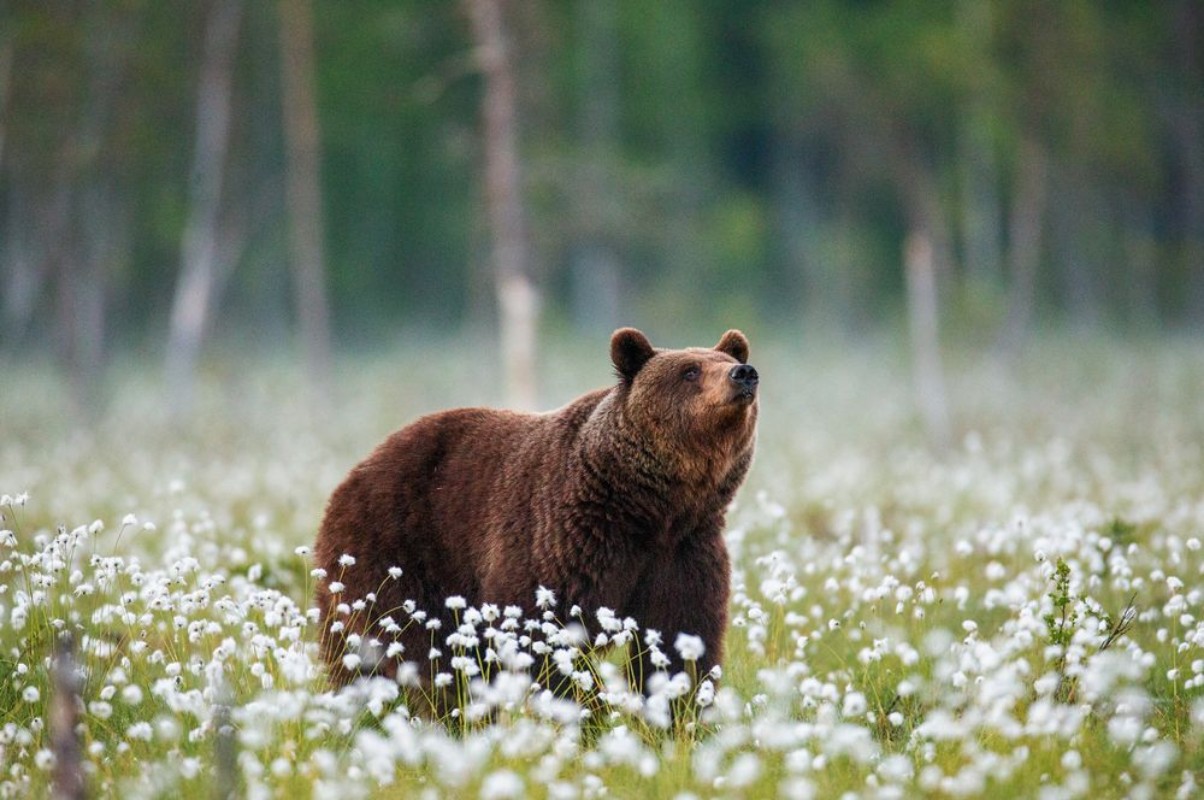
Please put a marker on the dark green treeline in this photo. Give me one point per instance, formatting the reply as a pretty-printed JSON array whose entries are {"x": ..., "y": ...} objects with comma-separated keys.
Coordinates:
[{"x": 688, "y": 162}]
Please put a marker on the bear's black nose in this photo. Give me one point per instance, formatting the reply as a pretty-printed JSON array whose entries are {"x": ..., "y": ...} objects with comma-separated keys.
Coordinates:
[{"x": 744, "y": 375}]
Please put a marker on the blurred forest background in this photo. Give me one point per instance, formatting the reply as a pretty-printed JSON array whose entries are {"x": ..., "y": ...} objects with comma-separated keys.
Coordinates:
[{"x": 337, "y": 172}]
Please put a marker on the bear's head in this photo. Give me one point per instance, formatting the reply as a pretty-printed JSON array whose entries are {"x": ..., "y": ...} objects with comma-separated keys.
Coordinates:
[{"x": 696, "y": 406}]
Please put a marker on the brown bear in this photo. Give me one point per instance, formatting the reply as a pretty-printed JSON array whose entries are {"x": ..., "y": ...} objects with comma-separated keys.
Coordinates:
[{"x": 616, "y": 500}]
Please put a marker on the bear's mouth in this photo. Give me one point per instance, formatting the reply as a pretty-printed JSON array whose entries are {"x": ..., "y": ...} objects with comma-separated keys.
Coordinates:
[{"x": 745, "y": 395}]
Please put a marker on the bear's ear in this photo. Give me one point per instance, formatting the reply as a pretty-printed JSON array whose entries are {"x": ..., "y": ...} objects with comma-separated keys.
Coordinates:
[
  {"x": 629, "y": 351},
  {"x": 735, "y": 344}
]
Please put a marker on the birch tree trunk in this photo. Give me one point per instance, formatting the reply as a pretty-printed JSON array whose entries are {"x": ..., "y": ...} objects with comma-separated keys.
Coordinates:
[
  {"x": 304, "y": 194},
  {"x": 200, "y": 269},
  {"x": 927, "y": 255},
  {"x": 518, "y": 301},
  {"x": 920, "y": 190},
  {"x": 923, "y": 305}
]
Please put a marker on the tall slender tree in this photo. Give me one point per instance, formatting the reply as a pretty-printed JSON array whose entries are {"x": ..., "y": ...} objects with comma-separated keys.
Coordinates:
[
  {"x": 202, "y": 270},
  {"x": 303, "y": 187},
  {"x": 923, "y": 313},
  {"x": 518, "y": 300}
]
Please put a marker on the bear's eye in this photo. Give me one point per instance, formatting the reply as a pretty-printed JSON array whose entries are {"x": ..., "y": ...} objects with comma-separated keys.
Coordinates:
[{"x": 691, "y": 373}]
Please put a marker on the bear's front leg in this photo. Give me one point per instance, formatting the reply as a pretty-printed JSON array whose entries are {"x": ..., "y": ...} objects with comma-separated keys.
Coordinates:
[{"x": 684, "y": 591}]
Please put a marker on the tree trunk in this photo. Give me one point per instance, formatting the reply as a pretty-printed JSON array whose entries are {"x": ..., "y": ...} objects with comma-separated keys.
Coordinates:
[
  {"x": 25, "y": 265},
  {"x": 595, "y": 270},
  {"x": 303, "y": 187},
  {"x": 518, "y": 301},
  {"x": 921, "y": 196},
  {"x": 924, "y": 327},
  {"x": 200, "y": 270},
  {"x": 927, "y": 255},
  {"x": 1025, "y": 221},
  {"x": 1188, "y": 131}
]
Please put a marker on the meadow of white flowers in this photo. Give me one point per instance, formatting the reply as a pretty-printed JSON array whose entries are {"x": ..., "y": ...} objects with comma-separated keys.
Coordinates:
[{"x": 1019, "y": 615}]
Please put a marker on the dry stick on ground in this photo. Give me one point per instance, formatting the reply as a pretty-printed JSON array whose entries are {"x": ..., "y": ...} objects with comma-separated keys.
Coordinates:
[
  {"x": 69, "y": 781},
  {"x": 225, "y": 748},
  {"x": 1122, "y": 624}
]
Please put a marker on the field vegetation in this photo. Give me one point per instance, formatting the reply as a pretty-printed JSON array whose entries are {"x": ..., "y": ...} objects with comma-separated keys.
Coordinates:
[{"x": 1017, "y": 615}]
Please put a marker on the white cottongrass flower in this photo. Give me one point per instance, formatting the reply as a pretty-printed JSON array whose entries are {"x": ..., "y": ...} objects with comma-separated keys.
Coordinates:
[
  {"x": 100, "y": 709},
  {"x": 544, "y": 598},
  {"x": 503, "y": 784},
  {"x": 689, "y": 647},
  {"x": 744, "y": 771},
  {"x": 346, "y": 560},
  {"x": 141, "y": 731},
  {"x": 607, "y": 619},
  {"x": 854, "y": 705},
  {"x": 44, "y": 759}
]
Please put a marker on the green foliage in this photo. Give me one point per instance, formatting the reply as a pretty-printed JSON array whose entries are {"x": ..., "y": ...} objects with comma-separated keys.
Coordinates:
[{"x": 760, "y": 157}]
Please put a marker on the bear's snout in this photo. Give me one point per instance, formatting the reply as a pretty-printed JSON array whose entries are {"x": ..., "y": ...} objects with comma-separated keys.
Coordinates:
[{"x": 745, "y": 377}]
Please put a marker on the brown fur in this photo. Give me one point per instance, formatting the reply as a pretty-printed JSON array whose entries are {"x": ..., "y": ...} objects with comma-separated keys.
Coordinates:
[{"x": 615, "y": 500}]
